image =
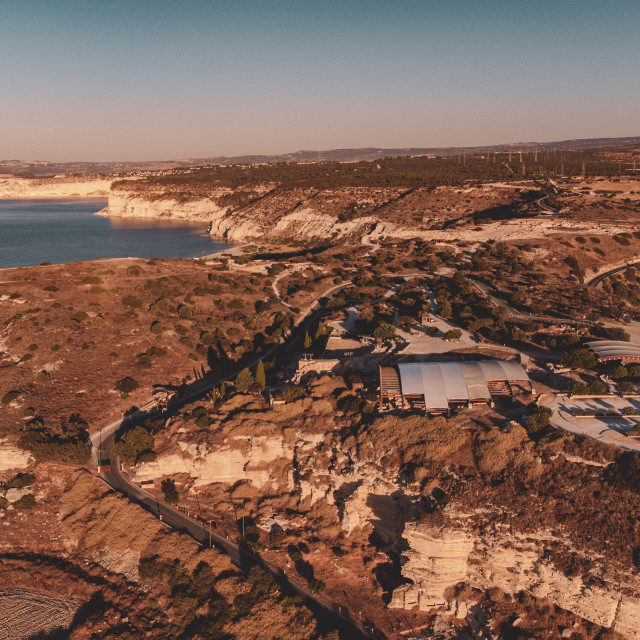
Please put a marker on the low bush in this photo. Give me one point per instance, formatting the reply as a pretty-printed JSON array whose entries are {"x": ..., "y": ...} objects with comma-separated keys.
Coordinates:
[
  {"x": 20, "y": 480},
  {"x": 624, "y": 473},
  {"x": 537, "y": 422},
  {"x": 579, "y": 359},
  {"x": 25, "y": 503},
  {"x": 291, "y": 394},
  {"x": 65, "y": 442},
  {"x": 132, "y": 301},
  {"x": 10, "y": 396},
  {"x": 126, "y": 385}
]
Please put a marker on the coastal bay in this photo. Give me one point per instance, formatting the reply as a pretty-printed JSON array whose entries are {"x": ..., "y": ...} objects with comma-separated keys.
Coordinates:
[{"x": 56, "y": 231}]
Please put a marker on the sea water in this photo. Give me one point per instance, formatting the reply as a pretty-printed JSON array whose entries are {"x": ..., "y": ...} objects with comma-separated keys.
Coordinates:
[{"x": 36, "y": 231}]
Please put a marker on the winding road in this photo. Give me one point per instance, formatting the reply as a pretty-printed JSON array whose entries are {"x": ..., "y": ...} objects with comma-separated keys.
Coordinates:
[
  {"x": 103, "y": 444},
  {"x": 595, "y": 281}
]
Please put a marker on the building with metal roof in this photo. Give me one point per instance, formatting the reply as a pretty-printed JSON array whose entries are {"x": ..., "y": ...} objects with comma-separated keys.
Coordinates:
[
  {"x": 615, "y": 350},
  {"x": 436, "y": 387}
]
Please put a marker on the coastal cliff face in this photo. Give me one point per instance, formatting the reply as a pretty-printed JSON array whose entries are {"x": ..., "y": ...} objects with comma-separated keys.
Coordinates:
[
  {"x": 275, "y": 216},
  {"x": 44, "y": 188},
  {"x": 440, "y": 557}
]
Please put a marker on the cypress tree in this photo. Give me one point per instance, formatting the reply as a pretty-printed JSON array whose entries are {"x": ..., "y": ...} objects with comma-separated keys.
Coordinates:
[
  {"x": 307, "y": 341},
  {"x": 261, "y": 380}
]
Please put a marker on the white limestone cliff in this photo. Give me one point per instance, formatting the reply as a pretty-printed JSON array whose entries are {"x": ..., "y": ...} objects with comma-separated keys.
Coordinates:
[
  {"x": 40, "y": 188},
  {"x": 440, "y": 558}
]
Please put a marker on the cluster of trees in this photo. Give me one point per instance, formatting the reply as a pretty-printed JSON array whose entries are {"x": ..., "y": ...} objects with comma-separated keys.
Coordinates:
[
  {"x": 246, "y": 382},
  {"x": 135, "y": 445},
  {"x": 593, "y": 388},
  {"x": 459, "y": 300},
  {"x": 66, "y": 441},
  {"x": 398, "y": 172}
]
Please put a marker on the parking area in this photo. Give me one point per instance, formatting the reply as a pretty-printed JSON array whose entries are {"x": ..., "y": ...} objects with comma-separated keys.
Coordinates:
[{"x": 609, "y": 430}]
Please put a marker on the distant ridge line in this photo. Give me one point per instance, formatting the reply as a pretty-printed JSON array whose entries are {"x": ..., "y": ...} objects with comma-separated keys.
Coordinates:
[{"x": 43, "y": 168}]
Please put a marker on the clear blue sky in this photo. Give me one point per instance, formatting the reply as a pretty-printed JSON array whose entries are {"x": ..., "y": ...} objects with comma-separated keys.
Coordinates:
[{"x": 161, "y": 79}]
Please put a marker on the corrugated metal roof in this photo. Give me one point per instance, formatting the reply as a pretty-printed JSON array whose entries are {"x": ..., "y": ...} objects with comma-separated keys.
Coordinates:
[
  {"x": 476, "y": 381},
  {"x": 454, "y": 381},
  {"x": 411, "y": 379},
  {"x": 443, "y": 382},
  {"x": 513, "y": 370},
  {"x": 614, "y": 348},
  {"x": 435, "y": 390},
  {"x": 492, "y": 370}
]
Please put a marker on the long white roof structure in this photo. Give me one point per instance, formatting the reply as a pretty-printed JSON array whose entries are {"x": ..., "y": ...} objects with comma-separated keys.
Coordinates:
[
  {"x": 444, "y": 382},
  {"x": 615, "y": 350}
]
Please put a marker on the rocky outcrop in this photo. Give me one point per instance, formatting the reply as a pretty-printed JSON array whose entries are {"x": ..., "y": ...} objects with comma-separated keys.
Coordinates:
[
  {"x": 123, "y": 204},
  {"x": 249, "y": 459},
  {"x": 436, "y": 561},
  {"x": 440, "y": 558},
  {"x": 13, "y": 458},
  {"x": 277, "y": 217}
]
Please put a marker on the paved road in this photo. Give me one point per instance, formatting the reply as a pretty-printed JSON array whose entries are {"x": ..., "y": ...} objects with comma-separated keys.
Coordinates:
[{"x": 594, "y": 282}]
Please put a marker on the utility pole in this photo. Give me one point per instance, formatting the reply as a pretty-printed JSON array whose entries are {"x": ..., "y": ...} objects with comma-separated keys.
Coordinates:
[
  {"x": 509, "y": 154},
  {"x": 536, "y": 158},
  {"x": 584, "y": 170}
]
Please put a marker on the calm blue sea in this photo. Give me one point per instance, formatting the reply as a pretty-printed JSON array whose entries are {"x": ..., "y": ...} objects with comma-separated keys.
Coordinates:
[{"x": 35, "y": 231}]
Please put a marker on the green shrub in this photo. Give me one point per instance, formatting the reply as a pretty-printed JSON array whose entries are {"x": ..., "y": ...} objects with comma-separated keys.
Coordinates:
[
  {"x": 624, "y": 473},
  {"x": 277, "y": 536},
  {"x": 79, "y": 316},
  {"x": 619, "y": 372},
  {"x": 244, "y": 381},
  {"x": 185, "y": 311},
  {"x": 384, "y": 331},
  {"x": 126, "y": 385},
  {"x": 617, "y": 333},
  {"x": 538, "y": 421},
  {"x": 68, "y": 442},
  {"x": 134, "y": 270},
  {"x": 25, "y": 503},
  {"x": 579, "y": 359},
  {"x": 132, "y": 301},
  {"x": 131, "y": 444},
  {"x": 20, "y": 480},
  {"x": 10, "y": 396},
  {"x": 169, "y": 491},
  {"x": 156, "y": 327},
  {"x": 43, "y": 377},
  {"x": 579, "y": 389},
  {"x": 316, "y": 585},
  {"x": 625, "y": 388},
  {"x": 291, "y": 394},
  {"x": 452, "y": 334}
]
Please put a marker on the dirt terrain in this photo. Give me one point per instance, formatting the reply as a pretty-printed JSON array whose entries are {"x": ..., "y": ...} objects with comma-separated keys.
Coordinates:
[{"x": 70, "y": 332}]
